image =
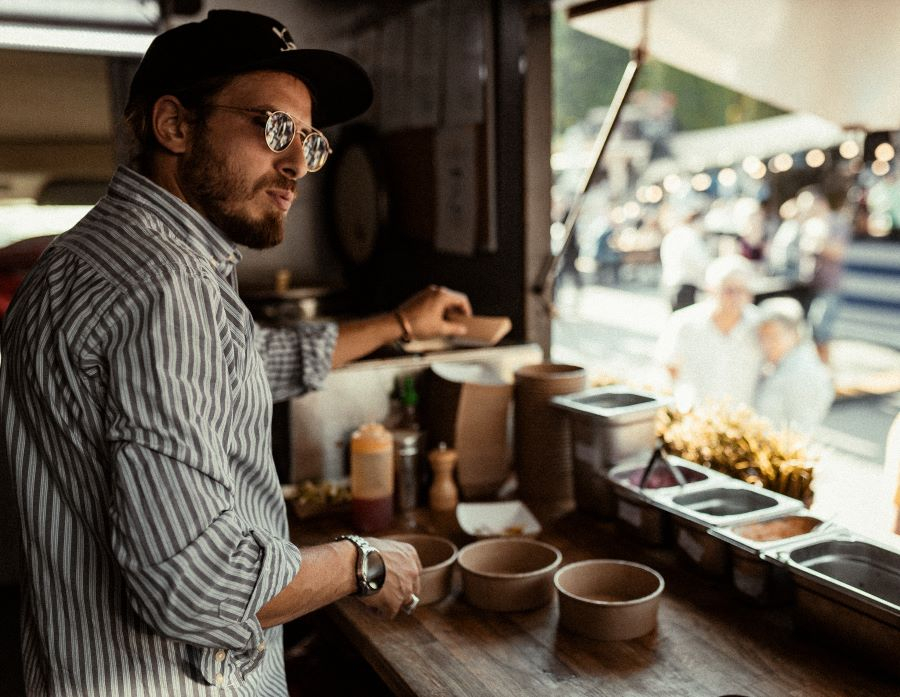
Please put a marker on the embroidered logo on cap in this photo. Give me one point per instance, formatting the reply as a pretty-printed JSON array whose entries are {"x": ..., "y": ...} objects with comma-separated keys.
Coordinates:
[{"x": 285, "y": 36}]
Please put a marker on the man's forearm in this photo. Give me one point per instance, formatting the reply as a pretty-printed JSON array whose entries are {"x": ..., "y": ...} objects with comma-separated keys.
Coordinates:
[
  {"x": 360, "y": 337},
  {"x": 327, "y": 573}
]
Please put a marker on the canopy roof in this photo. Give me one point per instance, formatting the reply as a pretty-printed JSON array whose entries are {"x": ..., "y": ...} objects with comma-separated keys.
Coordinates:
[{"x": 835, "y": 58}]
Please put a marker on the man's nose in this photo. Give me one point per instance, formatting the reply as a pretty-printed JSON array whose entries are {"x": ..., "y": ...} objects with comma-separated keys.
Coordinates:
[{"x": 292, "y": 163}]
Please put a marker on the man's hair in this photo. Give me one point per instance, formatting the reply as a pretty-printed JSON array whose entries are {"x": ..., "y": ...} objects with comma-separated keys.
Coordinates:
[{"x": 139, "y": 114}]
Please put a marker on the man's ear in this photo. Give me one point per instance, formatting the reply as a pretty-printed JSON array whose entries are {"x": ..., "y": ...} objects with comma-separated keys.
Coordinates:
[{"x": 170, "y": 124}]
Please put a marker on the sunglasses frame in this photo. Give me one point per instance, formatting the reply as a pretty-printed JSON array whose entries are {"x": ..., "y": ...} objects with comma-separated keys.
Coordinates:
[{"x": 304, "y": 129}]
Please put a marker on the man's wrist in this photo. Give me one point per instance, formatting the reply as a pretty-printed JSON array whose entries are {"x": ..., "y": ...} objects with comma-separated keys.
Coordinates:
[
  {"x": 406, "y": 334},
  {"x": 370, "y": 567}
]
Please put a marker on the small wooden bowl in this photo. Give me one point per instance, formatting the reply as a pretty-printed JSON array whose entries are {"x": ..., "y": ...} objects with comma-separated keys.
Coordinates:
[
  {"x": 508, "y": 574},
  {"x": 608, "y": 599},
  {"x": 438, "y": 555}
]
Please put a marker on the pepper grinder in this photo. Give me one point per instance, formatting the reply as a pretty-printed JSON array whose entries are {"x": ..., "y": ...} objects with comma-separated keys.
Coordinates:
[{"x": 443, "y": 495}]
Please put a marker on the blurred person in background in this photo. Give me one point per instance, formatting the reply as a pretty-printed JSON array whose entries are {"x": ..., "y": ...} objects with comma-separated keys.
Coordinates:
[
  {"x": 710, "y": 349},
  {"x": 796, "y": 389},
  {"x": 824, "y": 239},
  {"x": 683, "y": 253}
]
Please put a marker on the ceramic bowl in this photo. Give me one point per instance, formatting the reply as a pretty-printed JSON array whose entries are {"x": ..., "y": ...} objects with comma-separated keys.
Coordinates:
[
  {"x": 437, "y": 554},
  {"x": 608, "y": 599},
  {"x": 508, "y": 574}
]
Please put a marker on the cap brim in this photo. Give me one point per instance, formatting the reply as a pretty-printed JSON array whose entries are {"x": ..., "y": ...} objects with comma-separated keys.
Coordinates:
[{"x": 340, "y": 88}]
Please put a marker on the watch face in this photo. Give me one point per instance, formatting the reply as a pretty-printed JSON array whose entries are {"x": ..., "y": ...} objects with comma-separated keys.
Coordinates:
[{"x": 374, "y": 570}]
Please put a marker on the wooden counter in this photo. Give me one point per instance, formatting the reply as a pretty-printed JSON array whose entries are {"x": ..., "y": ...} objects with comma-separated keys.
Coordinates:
[{"x": 708, "y": 641}]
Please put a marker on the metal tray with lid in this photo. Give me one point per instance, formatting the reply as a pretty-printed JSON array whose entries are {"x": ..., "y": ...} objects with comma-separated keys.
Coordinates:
[
  {"x": 637, "y": 484},
  {"x": 718, "y": 504},
  {"x": 753, "y": 576},
  {"x": 847, "y": 588}
]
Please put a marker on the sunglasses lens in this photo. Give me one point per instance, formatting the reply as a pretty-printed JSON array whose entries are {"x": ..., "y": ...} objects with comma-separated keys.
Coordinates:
[
  {"x": 279, "y": 131},
  {"x": 315, "y": 149}
]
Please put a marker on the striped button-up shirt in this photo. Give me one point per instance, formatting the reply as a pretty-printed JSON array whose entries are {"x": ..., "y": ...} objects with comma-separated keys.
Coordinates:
[{"x": 136, "y": 415}]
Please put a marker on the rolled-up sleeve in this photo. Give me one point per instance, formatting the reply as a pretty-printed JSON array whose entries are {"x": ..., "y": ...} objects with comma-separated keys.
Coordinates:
[
  {"x": 297, "y": 358},
  {"x": 196, "y": 569}
]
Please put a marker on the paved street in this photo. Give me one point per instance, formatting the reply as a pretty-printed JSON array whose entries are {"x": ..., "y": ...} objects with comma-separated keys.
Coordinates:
[{"x": 612, "y": 332}]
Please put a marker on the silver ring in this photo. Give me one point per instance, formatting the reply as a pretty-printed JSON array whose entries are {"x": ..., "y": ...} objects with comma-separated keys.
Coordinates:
[{"x": 413, "y": 603}]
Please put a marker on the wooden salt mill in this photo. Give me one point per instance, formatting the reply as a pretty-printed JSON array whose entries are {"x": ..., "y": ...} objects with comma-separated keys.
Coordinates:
[{"x": 443, "y": 495}]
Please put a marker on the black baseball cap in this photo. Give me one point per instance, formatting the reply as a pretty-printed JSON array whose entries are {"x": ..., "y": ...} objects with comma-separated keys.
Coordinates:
[{"x": 230, "y": 42}]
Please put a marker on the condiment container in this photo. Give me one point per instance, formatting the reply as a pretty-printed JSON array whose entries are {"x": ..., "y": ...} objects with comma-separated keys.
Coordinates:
[
  {"x": 752, "y": 576},
  {"x": 372, "y": 477},
  {"x": 443, "y": 495},
  {"x": 406, "y": 473}
]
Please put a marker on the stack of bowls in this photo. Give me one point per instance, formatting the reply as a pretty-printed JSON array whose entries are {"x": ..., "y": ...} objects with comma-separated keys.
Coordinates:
[{"x": 542, "y": 437}]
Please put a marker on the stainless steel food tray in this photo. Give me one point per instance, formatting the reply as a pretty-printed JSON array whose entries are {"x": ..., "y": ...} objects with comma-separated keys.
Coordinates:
[
  {"x": 848, "y": 568},
  {"x": 729, "y": 533},
  {"x": 616, "y": 404},
  {"x": 726, "y": 503}
]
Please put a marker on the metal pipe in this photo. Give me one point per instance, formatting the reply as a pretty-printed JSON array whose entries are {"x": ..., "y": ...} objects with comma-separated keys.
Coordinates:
[{"x": 546, "y": 280}]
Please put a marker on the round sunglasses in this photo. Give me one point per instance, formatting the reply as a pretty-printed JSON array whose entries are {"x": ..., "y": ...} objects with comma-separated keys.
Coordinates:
[{"x": 280, "y": 128}]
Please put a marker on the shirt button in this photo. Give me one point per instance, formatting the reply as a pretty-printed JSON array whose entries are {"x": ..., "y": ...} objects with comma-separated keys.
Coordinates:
[
  {"x": 220, "y": 655},
  {"x": 261, "y": 646},
  {"x": 219, "y": 678}
]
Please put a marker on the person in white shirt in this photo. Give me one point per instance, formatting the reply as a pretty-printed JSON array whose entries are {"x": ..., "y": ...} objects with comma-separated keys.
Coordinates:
[
  {"x": 684, "y": 256},
  {"x": 710, "y": 349},
  {"x": 796, "y": 389}
]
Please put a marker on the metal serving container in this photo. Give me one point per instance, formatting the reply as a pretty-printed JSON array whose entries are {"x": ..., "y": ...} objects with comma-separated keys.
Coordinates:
[
  {"x": 719, "y": 504},
  {"x": 608, "y": 425},
  {"x": 755, "y": 577},
  {"x": 635, "y": 488},
  {"x": 847, "y": 588}
]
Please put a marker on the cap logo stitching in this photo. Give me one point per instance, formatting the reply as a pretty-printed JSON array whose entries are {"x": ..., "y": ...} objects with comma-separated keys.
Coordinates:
[{"x": 285, "y": 36}]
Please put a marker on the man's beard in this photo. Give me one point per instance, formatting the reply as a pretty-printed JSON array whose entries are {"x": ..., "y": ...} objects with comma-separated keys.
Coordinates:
[{"x": 212, "y": 184}]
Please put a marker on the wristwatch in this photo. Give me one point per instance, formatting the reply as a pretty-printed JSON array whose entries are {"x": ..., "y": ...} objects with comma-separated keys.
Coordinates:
[{"x": 370, "y": 569}]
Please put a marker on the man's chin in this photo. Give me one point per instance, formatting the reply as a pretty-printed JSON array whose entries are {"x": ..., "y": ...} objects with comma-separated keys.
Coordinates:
[{"x": 265, "y": 233}]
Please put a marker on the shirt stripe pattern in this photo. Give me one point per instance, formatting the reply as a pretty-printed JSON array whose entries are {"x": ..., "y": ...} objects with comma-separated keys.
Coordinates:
[{"x": 137, "y": 419}]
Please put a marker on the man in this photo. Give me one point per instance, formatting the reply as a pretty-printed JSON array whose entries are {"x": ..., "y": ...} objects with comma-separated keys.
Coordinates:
[
  {"x": 710, "y": 349},
  {"x": 683, "y": 254},
  {"x": 137, "y": 410},
  {"x": 796, "y": 390}
]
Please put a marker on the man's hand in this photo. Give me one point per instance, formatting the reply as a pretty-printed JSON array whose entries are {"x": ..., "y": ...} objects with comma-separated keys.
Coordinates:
[
  {"x": 430, "y": 312},
  {"x": 401, "y": 562}
]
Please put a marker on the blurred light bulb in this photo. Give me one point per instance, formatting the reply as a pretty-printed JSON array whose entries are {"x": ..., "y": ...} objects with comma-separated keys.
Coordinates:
[
  {"x": 815, "y": 158},
  {"x": 701, "y": 181},
  {"x": 727, "y": 177},
  {"x": 654, "y": 194},
  {"x": 880, "y": 168},
  {"x": 631, "y": 210},
  {"x": 783, "y": 162},
  {"x": 672, "y": 183},
  {"x": 849, "y": 149},
  {"x": 884, "y": 152}
]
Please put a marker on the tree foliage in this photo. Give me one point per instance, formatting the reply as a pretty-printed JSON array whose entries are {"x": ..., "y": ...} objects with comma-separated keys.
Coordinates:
[{"x": 587, "y": 70}]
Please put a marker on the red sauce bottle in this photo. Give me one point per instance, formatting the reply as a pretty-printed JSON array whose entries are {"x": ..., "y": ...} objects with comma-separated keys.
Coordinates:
[{"x": 372, "y": 478}]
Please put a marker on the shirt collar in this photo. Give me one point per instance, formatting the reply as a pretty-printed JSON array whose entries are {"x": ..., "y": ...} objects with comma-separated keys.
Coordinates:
[{"x": 183, "y": 220}]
